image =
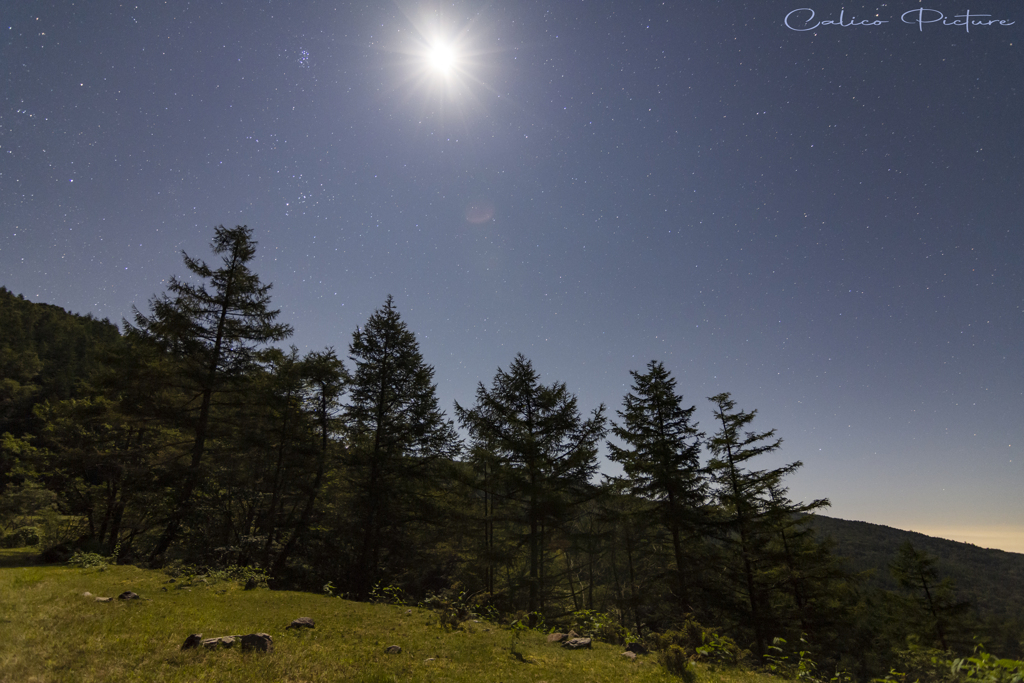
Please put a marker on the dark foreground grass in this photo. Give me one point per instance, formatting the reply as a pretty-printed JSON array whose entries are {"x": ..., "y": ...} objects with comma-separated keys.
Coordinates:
[{"x": 51, "y": 631}]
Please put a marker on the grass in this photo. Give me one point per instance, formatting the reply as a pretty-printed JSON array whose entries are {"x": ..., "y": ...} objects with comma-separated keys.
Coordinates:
[{"x": 52, "y": 632}]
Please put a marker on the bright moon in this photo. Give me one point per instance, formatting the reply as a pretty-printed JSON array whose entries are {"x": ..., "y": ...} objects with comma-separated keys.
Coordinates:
[{"x": 441, "y": 58}]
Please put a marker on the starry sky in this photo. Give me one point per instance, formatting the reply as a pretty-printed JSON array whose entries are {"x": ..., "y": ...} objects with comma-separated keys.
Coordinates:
[{"x": 820, "y": 214}]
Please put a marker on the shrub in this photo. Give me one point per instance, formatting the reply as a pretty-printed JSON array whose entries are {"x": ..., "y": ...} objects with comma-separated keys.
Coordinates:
[
  {"x": 698, "y": 642},
  {"x": 599, "y": 626},
  {"x": 21, "y": 537},
  {"x": 677, "y": 663},
  {"x": 192, "y": 575}
]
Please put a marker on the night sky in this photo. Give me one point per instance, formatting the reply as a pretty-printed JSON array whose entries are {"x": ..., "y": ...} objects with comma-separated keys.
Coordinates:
[{"x": 826, "y": 223}]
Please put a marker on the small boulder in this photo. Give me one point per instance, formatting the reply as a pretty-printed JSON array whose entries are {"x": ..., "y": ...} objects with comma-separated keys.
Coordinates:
[
  {"x": 86, "y": 594},
  {"x": 222, "y": 642},
  {"x": 556, "y": 637},
  {"x": 104, "y": 599},
  {"x": 261, "y": 642},
  {"x": 637, "y": 648},
  {"x": 302, "y": 622},
  {"x": 128, "y": 595},
  {"x": 192, "y": 641},
  {"x": 629, "y": 655},
  {"x": 393, "y": 650},
  {"x": 577, "y": 644}
]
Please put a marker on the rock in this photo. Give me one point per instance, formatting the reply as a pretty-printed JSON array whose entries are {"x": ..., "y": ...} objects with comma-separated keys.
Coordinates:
[
  {"x": 577, "y": 644},
  {"x": 222, "y": 642},
  {"x": 104, "y": 599},
  {"x": 428, "y": 660},
  {"x": 556, "y": 637},
  {"x": 629, "y": 655},
  {"x": 301, "y": 622},
  {"x": 393, "y": 650},
  {"x": 637, "y": 648},
  {"x": 128, "y": 595},
  {"x": 572, "y": 634},
  {"x": 261, "y": 642},
  {"x": 86, "y": 594},
  {"x": 252, "y": 583},
  {"x": 192, "y": 641}
]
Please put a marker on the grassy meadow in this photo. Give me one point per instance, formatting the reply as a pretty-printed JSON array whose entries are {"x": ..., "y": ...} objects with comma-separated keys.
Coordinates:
[{"x": 52, "y": 631}]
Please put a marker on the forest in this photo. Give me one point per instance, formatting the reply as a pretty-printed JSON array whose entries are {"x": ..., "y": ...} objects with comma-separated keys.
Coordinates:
[{"x": 189, "y": 437}]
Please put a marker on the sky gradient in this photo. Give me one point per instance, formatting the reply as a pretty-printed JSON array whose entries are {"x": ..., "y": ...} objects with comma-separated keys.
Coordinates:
[{"x": 825, "y": 223}]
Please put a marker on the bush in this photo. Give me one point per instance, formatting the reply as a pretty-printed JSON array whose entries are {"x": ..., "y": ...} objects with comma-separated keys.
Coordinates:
[
  {"x": 987, "y": 668},
  {"x": 88, "y": 560},
  {"x": 21, "y": 537},
  {"x": 599, "y": 626},
  {"x": 677, "y": 663},
  {"x": 191, "y": 575},
  {"x": 697, "y": 642},
  {"x": 452, "y": 605}
]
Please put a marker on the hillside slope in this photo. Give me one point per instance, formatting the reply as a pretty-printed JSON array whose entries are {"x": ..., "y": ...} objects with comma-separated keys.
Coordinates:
[
  {"x": 53, "y": 629},
  {"x": 991, "y": 580}
]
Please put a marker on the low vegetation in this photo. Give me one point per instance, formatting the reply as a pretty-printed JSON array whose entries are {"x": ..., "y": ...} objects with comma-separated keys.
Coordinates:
[{"x": 53, "y": 631}]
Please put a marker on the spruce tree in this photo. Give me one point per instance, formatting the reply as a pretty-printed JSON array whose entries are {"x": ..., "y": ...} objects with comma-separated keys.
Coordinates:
[
  {"x": 749, "y": 514},
  {"x": 397, "y": 439},
  {"x": 662, "y": 462},
  {"x": 934, "y": 597},
  {"x": 212, "y": 330},
  {"x": 533, "y": 438},
  {"x": 324, "y": 380}
]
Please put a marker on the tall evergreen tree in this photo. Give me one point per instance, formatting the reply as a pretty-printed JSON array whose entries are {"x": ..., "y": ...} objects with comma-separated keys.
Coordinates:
[
  {"x": 397, "y": 438},
  {"x": 544, "y": 451},
  {"x": 324, "y": 378},
  {"x": 662, "y": 462},
  {"x": 934, "y": 597},
  {"x": 749, "y": 513},
  {"x": 213, "y": 331}
]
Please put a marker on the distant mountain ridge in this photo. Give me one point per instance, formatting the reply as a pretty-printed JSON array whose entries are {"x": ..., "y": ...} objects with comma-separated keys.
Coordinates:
[{"x": 991, "y": 580}]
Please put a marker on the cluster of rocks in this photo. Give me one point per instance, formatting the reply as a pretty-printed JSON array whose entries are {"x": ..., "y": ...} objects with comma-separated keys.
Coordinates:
[
  {"x": 127, "y": 595},
  {"x": 570, "y": 640},
  {"x": 258, "y": 642},
  {"x": 634, "y": 649},
  {"x": 573, "y": 641}
]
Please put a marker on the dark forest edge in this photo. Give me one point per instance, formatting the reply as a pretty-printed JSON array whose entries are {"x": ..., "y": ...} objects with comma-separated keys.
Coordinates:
[{"x": 190, "y": 440}]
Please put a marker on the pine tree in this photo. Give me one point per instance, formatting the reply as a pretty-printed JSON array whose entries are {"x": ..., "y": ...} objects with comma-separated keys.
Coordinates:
[
  {"x": 749, "y": 513},
  {"x": 536, "y": 442},
  {"x": 325, "y": 378},
  {"x": 662, "y": 461},
  {"x": 212, "y": 334},
  {"x": 935, "y": 598},
  {"x": 397, "y": 437}
]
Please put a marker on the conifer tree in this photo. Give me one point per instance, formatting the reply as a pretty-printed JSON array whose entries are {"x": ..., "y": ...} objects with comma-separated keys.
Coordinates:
[
  {"x": 543, "y": 450},
  {"x": 749, "y": 513},
  {"x": 324, "y": 378},
  {"x": 935, "y": 598},
  {"x": 662, "y": 461},
  {"x": 212, "y": 330},
  {"x": 397, "y": 439}
]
